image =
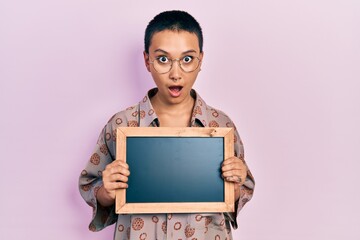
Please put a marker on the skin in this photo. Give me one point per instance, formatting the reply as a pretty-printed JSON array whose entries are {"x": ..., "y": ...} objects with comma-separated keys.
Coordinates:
[{"x": 173, "y": 110}]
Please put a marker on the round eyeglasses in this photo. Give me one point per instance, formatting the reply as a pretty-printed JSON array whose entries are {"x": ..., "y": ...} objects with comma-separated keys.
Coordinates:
[{"x": 163, "y": 64}]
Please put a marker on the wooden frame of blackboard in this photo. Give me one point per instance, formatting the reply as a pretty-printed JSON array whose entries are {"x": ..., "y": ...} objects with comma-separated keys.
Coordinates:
[{"x": 122, "y": 207}]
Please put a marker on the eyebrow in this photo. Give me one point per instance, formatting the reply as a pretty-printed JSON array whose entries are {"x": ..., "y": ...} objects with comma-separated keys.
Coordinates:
[{"x": 165, "y": 52}]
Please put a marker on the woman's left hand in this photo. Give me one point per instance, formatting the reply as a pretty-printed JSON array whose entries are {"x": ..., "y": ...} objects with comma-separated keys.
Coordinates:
[{"x": 234, "y": 170}]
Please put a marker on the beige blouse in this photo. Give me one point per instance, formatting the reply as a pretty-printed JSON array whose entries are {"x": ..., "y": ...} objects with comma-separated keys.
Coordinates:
[{"x": 158, "y": 226}]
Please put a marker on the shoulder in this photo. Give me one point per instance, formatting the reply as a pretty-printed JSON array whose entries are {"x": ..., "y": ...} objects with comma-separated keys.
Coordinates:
[
  {"x": 124, "y": 118},
  {"x": 218, "y": 118},
  {"x": 208, "y": 115}
]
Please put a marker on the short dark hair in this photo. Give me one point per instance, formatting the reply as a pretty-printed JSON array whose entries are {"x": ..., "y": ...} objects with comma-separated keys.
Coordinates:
[{"x": 174, "y": 20}]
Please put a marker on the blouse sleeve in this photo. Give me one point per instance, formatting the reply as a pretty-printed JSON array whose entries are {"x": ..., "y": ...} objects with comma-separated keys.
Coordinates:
[
  {"x": 247, "y": 189},
  {"x": 90, "y": 180}
]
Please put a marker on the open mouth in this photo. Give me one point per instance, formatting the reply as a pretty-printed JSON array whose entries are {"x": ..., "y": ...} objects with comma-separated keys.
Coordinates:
[{"x": 175, "y": 91}]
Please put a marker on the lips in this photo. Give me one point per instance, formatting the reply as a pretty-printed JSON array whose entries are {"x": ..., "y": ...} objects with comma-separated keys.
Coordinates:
[{"x": 175, "y": 91}]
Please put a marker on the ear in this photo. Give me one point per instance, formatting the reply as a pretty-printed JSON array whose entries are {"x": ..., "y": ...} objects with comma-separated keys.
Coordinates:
[
  {"x": 201, "y": 56},
  {"x": 146, "y": 60}
]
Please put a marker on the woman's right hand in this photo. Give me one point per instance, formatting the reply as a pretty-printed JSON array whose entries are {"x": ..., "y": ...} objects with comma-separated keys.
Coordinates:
[{"x": 115, "y": 176}]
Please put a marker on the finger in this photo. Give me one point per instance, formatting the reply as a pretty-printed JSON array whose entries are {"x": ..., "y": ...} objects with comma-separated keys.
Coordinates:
[
  {"x": 233, "y": 160},
  {"x": 230, "y": 160},
  {"x": 118, "y": 178},
  {"x": 118, "y": 163},
  {"x": 115, "y": 185},
  {"x": 118, "y": 169},
  {"x": 122, "y": 171},
  {"x": 122, "y": 164},
  {"x": 233, "y": 166},
  {"x": 231, "y": 173},
  {"x": 235, "y": 179}
]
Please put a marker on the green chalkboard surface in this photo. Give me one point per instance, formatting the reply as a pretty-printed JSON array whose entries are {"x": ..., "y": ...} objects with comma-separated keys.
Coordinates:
[{"x": 173, "y": 169}]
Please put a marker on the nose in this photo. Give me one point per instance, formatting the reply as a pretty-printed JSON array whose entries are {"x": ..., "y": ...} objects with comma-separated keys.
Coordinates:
[{"x": 175, "y": 72}]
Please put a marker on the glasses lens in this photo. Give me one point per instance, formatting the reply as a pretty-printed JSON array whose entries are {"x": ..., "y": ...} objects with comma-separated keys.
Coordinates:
[
  {"x": 189, "y": 64},
  {"x": 162, "y": 67}
]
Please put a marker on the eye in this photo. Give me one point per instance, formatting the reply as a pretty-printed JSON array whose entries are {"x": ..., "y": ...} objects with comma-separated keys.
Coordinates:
[
  {"x": 187, "y": 59},
  {"x": 163, "y": 59}
]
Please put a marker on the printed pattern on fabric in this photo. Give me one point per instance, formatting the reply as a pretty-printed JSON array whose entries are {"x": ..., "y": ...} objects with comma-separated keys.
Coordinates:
[{"x": 158, "y": 226}]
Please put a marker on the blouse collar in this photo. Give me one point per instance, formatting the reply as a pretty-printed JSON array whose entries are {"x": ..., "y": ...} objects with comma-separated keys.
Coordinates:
[{"x": 149, "y": 118}]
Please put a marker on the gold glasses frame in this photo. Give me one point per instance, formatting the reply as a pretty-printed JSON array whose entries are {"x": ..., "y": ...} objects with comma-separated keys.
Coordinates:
[{"x": 172, "y": 62}]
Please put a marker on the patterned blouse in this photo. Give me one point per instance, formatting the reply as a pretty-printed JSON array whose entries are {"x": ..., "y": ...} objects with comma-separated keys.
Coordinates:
[{"x": 199, "y": 226}]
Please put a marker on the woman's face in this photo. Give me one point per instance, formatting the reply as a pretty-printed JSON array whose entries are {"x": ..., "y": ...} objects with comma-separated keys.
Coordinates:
[{"x": 174, "y": 86}]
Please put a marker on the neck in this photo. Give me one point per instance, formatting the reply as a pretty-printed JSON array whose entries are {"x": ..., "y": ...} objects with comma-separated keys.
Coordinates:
[{"x": 173, "y": 114}]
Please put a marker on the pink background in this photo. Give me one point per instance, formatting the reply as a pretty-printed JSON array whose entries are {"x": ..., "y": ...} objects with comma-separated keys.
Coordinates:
[{"x": 287, "y": 72}]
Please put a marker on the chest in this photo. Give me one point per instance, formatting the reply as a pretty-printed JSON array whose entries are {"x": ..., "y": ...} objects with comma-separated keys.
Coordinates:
[{"x": 175, "y": 120}]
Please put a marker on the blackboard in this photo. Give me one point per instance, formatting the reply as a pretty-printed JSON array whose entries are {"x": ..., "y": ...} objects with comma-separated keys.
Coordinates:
[
  {"x": 175, "y": 170},
  {"x": 179, "y": 167}
]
